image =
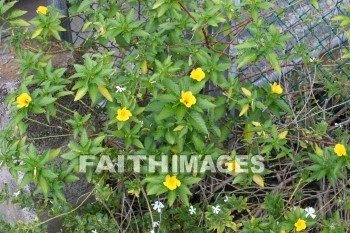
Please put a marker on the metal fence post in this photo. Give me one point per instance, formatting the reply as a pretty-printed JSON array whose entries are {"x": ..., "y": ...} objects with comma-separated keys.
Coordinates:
[{"x": 61, "y": 6}]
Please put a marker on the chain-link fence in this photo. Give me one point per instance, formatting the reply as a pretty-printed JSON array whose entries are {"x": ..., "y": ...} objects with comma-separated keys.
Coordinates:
[{"x": 310, "y": 30}]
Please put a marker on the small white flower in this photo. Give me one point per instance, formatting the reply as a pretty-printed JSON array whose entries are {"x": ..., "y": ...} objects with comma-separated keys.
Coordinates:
[
  {"x": 225, "y": 198},
  {"x": 313, "y": 59},
  {"x": 155, "y": 224},
  {"x": 216, "y": 209},
  {"x": 338, "y": 125},
  {"x": 141, "y": 123},
  {"x": 94, "y": 231},
  {"x": 17, "y": 193},
  {"x": 152, "y": 231},
  {"x": 158, "y": 206},
  {"x": 310, "y": 212},
  {"x": 119, "y": 89},
  {"x": 192, "y": 210}
]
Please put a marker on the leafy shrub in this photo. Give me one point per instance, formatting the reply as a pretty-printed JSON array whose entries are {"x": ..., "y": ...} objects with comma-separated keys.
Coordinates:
[{"x": 154, "y": 82}]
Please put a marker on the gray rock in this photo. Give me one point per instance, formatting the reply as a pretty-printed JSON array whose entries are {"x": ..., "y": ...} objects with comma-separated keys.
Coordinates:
[{"x": 9, "y": 81}]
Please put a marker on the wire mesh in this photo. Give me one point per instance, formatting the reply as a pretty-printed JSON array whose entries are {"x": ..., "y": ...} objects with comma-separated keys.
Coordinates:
[{"x": 310, "y": 29}]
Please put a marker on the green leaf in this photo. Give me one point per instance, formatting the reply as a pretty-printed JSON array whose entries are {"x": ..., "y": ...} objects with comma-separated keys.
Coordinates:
[
  {"x": 314, "y": 4},
  {"x": 49, "y": 156},
  {"x": 198, "y": 143},
  {"x": 180, "y": 113},
  {"x": 167, "y": 98},
  {"x": 43, "y": 184},
  {"x": 283, "y": 105},
  {"x": 84, "y": 5},
  {"x": 153, "y": 188},
  {"x": 153, "y": 179},
  {"x": 158, "y": 4},
  {"x": 80, "y": 93},
  {"x": 247, "y": 45},
  {"x": 189, "y": 180},
  {"x": 205, "y": 104},
  {"x": 273, "y": 59},
  {"x": 93, "y": 93},
  {"x": 155, "y": 106},
  {"x": 171, "y": 197},
  {"x": 27, "y": 178},
  {"x": 16, "y": 13},
  {"x": 169, "y": 136},
  {"x": 183, "y": 191},
  {"x": 7, "y": 6},
  {"x": 137, "y": 143},
  {"x": 245, "y": 59},
  {"x": 48, "y": 174},
  {"x": 69, "y": 155},
  {"x": 86, "y": 25},
  {"x": 266, "y": 149},
  {"x": 19, "y": 22},
  {"x": 248, "y": 133},
  {"x": 197, "y": 87},
  {"x": 171, "y": 86},
  {"x": 59, "y": 194},
  {"x": 37, "y": 32},
  {"x": 46, "y": 101},
  {"x": 198, "y": 123},
  {"x": 71, "y": 178},
  {"x": 166, "y": 112}
]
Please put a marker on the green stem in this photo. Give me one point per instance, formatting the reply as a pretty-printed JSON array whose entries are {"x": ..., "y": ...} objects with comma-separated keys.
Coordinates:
[{"x": 51, "y": 136}]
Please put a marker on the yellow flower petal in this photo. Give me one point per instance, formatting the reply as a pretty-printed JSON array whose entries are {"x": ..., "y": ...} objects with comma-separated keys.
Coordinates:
[
  {"x": 171, "y": 182},
  {"x": 123, "y": 114},
  {"x": 187, "y": 98},
  {"x": 276, "y": 89},
  {"x": 23, "y": 100},
  {"x": 197, "y": 74},
  {"x": 300, "y": 225},
  {"x": 42, "y": 10},
  {"x": 233, "y": 167},
  {"x": 340, "y": 150}
]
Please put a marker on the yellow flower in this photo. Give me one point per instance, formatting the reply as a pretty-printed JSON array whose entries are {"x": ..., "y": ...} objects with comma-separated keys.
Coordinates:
[
  {"x": 171, "y": 182},
  {"x": 340, "y": 150},
  {"x": 23, "y": 100},
  {"x": 123, "y": 114},
  {"x": 233, "y": 167},
  {"x": 276, "y": 89},
  {"x": 300, "y": 225},
  {"x": 187, "y": 98},
  {"x": 198, "y": 74},
  {"x": 42, "y": 10}
]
